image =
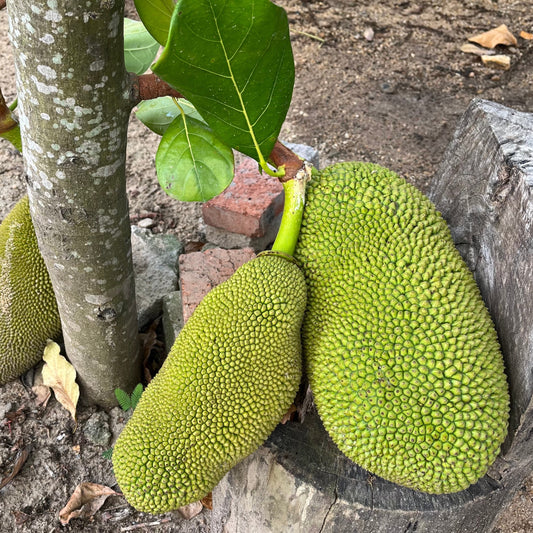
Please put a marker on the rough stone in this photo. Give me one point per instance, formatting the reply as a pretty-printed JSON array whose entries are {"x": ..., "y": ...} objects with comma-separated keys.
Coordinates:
[
  {"x": 172, "y": 317},
  {"x": 201, "y": 271},
  {"x": 96, "y": 429},
  {"x": 305, "y": 152},
  {"x": 155, "y": 262}
]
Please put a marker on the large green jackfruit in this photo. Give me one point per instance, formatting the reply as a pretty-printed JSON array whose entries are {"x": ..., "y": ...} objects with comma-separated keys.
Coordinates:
[
  {"x": 401, "y": 353},
  {"x": 232, "y": 373},
  {"x": 28, "y": 309}
]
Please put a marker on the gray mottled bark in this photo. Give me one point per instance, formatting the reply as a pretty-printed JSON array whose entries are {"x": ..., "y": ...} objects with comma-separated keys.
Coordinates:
[
  {"x": 300, "y": 483},
  {"x": 74, "y": 105}
]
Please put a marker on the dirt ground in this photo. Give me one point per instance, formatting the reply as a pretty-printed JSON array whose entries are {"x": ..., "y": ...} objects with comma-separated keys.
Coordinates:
[{"x": 382, "y": 81}]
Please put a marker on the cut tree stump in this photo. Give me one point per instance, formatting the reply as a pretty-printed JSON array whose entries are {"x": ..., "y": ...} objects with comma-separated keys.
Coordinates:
[{"x": 299, "y": 482}]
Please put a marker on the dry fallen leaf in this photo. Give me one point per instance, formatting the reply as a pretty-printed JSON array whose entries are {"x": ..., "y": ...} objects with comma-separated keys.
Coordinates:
[
  {"x": 60, "y": 375},
  {"x": 492, "y": 38},
  {"x": 19, "y": 463},
  {"x": 288, "y": 415},
  {"x": 469, "y": 48},
  {"x": 41, "y": 391},
  {"x": 207, "y": 501},
  {"x": 500, "y": 62},
  {"x": 191, "y": 510},
  {"x": 85, "y": 501},
  {"x": 20, "y": 517},
  {"x": 526, "y": 35}
]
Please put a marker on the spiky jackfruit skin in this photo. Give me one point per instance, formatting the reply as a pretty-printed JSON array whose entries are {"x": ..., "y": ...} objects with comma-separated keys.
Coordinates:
[
  {"x": 232, "y": 373},
  {"x": 28, "y": 309},
  {"x": 401, "y": 353}
]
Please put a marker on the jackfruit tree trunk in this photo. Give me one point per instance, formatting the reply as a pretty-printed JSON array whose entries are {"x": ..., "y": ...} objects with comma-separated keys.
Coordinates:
[{"x": 74, "y": 105}]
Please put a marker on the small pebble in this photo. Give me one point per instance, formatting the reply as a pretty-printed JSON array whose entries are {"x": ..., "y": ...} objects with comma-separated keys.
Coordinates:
[
  {"x": 146, "y": 223},
  {"x": 387, "y": 87}
]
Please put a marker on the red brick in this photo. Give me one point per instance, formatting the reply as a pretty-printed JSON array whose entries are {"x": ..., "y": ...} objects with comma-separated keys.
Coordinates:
[
  {"x": 248, "y": 205},
  {"x": 201, "y": 271}
]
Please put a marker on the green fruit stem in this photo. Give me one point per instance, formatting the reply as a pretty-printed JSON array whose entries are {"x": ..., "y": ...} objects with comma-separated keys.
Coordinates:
[{"x": 293, "y": 210}]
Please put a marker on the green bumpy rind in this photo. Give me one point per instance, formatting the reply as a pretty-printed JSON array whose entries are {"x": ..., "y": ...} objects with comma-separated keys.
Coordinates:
[
  {"x": 401, "y": 353},
  {"x": 28, "y": 309},
  {"x": 232, "y": 373}
]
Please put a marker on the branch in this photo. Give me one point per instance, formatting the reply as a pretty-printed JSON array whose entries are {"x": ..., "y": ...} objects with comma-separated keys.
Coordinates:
[
  {"x": 148, "y": 87},
  {"x": 282, "y": 156}
]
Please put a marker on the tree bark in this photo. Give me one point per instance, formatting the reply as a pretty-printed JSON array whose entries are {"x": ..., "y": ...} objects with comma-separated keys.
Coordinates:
[{"x": 74, "y": 103}]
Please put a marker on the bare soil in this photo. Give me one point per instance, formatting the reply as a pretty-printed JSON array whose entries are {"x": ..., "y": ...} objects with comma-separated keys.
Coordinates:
[{"x": 382, "y": 81}]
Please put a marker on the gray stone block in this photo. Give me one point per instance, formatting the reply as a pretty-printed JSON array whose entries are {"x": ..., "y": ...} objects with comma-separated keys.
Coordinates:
[
  {"x": 172, "y": 317},
  {"x": 305, "y": 152},
  {"x": 155, "y": 263}
]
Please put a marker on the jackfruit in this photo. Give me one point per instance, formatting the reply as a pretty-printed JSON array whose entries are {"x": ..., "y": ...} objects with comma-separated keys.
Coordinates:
[
  {"x": 232, "y": 373},
  {"x": 401, "y": 354},
  {"x": 28, "y": 309}
]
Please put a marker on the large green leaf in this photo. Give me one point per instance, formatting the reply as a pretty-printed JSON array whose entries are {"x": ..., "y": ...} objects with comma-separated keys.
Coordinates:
[
  {"x": 156, "y": 15},
  {"x": 233, "y": 60},
  {"x": 159, "y": 113},
  {"x": 191, "y": 163},
  {"x": 140, "y": 48}
]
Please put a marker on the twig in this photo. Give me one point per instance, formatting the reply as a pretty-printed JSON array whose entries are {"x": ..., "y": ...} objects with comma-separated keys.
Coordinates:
[
  {"x": 310, "y": 35},
  {"x": 148, "y": 87},
  {"x": 282, "y": 156},
  {"x": 145, "y": 524}
]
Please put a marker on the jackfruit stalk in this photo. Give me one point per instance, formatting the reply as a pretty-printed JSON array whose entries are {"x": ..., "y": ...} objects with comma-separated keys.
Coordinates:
[
  {"x": 400, "y": 351},
  {"x": 28, "y": 309},
  {"x": 231, "y": 375}
]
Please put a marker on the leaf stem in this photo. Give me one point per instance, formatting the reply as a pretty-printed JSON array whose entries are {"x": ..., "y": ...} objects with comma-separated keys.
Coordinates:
[
  {"x": 293, "y": 209},
  {"x": 148, "y": 87}
]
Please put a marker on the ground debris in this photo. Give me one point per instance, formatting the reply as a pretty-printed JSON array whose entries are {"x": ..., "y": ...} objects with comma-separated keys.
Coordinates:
[{"x": 22, "y": 455}]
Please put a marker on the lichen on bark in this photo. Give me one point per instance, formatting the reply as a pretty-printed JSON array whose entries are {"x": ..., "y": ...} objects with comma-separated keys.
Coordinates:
[{"x": 74, "y": 104}]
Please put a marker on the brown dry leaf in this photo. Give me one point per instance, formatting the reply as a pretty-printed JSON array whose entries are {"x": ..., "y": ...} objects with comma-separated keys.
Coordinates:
[
  {"x": 20, "y": 517},
  {"x": 60, "y": 375},
  {"x": 191, "y": 510},
  {"x": 207, "y": 501},
  {"x": 85, "y": 501},
  {"x": 526, "y": 35},
  {"x": 41, "y": 391},
  {"x": 19, "y": 463},
  {"x": 499, "y": 62},
  {"x": 469, "y": 48},
  {"x": 492, "y": 38},
  {"x": 288, "y": 415},
  {"x": 42, "y": 395}
]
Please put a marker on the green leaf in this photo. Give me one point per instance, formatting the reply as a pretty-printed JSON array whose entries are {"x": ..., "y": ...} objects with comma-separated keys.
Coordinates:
[
  {"x": 123, "y": 399},
  {"x": 156, "y": 15},
  {"x": 158, "y": 114},
  {"x": 108, "y": 454},
  {"x": 140, "y": 48},
  {"x": 233, "y": 60},
  {"x": 191, "y": 163},
  {"x": 136, "y": 396},
  {"x": 13, "y": 136}
]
